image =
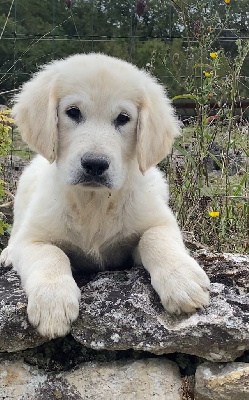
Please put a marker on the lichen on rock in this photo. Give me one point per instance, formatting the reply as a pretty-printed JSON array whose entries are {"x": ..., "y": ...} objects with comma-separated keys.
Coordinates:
[{"x": 119, "y": 310}]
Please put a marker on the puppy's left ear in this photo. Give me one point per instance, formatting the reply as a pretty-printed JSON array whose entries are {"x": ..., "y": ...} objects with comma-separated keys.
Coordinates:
[{"x": 157, "y": 126}]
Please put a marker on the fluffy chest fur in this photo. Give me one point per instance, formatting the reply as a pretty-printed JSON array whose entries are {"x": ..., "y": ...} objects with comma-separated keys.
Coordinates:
[
  {"x": 97, "y": 229},
  {"x": 101, "y": 228}
]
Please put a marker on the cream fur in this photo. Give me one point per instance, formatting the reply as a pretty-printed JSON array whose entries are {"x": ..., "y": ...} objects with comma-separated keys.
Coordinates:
[{"x": 56, "y": 217}]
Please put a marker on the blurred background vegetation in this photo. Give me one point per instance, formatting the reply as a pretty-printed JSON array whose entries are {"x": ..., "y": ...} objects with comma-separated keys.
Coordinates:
[
  {"x": 137, "y": 31},
  {"x": 197, "y": 49}
]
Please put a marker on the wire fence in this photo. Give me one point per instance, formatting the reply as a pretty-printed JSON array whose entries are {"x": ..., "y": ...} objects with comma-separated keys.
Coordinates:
[
  {"x": 85, "y": 38},
  {"x": 87, "y": 35}
]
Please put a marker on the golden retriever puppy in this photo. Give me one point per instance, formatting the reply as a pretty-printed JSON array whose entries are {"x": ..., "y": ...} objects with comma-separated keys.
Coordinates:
[{"x": 100, "y": 126}]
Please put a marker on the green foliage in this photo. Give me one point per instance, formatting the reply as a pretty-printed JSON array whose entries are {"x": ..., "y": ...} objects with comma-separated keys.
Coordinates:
[
  {"x": 213, "y": 205},
  {"x": 5, "y": 142},
  {"x": 5, "y": 126},
  {"x": 38, "y": 32}
]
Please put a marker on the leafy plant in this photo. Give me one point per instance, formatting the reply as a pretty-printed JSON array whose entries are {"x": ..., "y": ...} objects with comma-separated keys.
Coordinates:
[
  {"x": 213, "y": 205},
  {"x": 5, "y": 144}
]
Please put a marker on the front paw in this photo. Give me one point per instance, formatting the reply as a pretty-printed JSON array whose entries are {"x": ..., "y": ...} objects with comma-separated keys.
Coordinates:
[
  {"x": 183, "y": 287},
  {"x": 53, "y": 305},
  {"x": 5, "y": 258}
]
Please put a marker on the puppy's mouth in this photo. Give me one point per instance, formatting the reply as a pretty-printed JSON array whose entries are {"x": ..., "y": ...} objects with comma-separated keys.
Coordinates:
[{"x": 93, "y": 182}]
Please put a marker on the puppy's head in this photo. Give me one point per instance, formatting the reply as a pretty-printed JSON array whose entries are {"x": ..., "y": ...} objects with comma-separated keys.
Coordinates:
[{"x": 97, "y": 117}]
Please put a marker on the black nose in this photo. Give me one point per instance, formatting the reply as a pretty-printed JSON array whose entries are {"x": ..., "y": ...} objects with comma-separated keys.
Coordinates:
[{"x": 95, "y": 164}]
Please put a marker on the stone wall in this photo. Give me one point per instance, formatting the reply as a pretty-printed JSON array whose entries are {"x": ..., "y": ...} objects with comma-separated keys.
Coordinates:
[{"x": 124, "y": 345}]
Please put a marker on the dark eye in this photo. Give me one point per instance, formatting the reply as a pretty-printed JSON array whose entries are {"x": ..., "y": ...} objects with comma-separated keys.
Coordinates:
[
  {"x": 74, "y": 113},
  {"x": 122, "y": 119}
]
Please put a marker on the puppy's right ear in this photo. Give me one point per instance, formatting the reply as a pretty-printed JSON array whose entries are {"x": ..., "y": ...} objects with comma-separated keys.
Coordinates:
[{"x": 35, "y": 113}]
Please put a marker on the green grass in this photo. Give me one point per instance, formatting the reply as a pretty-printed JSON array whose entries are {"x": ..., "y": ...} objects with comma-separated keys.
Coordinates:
[
  {"x": 19, "y": 148},
  {"x": 194, "y": 196}
]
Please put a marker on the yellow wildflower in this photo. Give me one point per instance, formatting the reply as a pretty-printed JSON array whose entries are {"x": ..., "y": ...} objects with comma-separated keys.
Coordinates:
[
  {"x": 210, "y": 95},
  {"x": 213, "y": 55},
  {"x": 207, "y": 74},
  {"x": 214, "y": 214},
  {"x": 227, "y": 1}
]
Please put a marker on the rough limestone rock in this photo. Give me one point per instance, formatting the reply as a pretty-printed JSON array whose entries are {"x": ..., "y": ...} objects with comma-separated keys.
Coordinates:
[
  {"x": 20, "y": 381},
  {"x": 17, "y": 379},
  {"x": 15, "y": 331},
  {"x": 120, "y": 310},
  {"x": 123, "y": 380},
  {"x": 222, "y": 381},
  {"x": 128, "y": 380}
]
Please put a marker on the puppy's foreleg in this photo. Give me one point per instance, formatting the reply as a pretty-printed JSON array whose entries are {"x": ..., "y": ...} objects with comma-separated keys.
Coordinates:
[
  {"x": 177, "y": 278},
  {"x": 53, "y": 296}
]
